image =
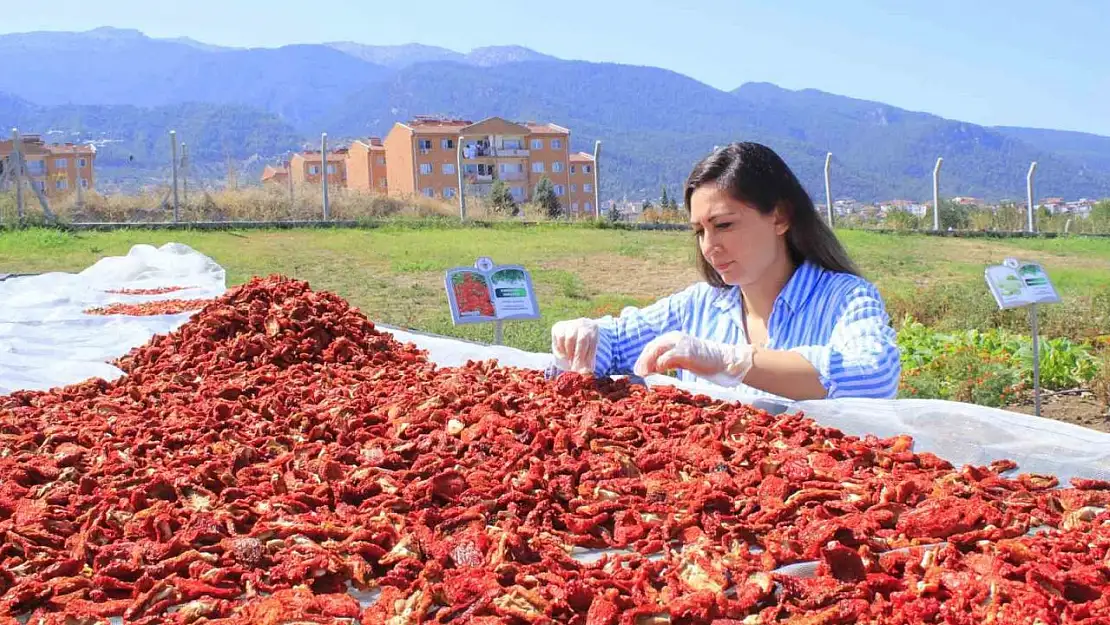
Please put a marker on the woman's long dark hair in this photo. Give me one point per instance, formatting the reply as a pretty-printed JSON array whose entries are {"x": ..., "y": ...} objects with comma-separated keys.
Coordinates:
[{"x": 754, "y": 174}]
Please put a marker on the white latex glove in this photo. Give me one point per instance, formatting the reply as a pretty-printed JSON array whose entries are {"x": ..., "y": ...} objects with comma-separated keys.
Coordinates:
[
  {"x": 574, "y": 345},
  {"x": 722, "y": 364}
]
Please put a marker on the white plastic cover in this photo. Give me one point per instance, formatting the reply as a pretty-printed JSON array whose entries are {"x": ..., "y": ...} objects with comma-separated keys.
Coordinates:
[{"x": 46, "y": 338}]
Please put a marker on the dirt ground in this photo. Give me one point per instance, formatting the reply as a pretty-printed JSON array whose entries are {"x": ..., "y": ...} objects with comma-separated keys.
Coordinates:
[{"x": 1082, "y": 410}]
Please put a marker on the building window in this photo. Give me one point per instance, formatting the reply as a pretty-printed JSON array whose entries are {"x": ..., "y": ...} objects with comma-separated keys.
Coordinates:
[
  {"x": 60, "y": 163},
  {"x": 559, "y": 190},
  {"x": 587, "y": 169},
  {"x": 381, "y": 160},
  {"x": 537, "y": 167},
  {"x": 36, "y": 168},
  {"x": 448, "y": 168},
  {"x": 425, "y": 169},
  {"x": 447, "y": 144},
  {"x": 39, "y": 184},
  {"x": 84, "y": 183},
  {"x": 574, "y": 206},
  {"x": 574, "y": 188},
  {"x": 61, "y": 183},
  {"x": 331, "y": 169},
  {"x": 448, "y": 191},
  {"x": 556, "y": 144},
  {"x": 557, "y": 166},
  {"x": 588, "y": 188},
  {"x": 425, "y": 146},
  {"x": 589, "y": 207},
  {"x": 573, "y": 168},
  {"x": 82, "y": 162},
  {"x": 313, "y": 170},
  {"x": 429, "y": 192},
  {"x": 382, "y": 183},
  {"x": 537, "y": 144},
  {"x": 512, "y": 144},
  {"x": 518, "y": 192}
]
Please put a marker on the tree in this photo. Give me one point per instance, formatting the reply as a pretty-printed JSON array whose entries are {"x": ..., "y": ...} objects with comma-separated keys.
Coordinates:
[
  {"x": 502, "y": 199},
  {"x": 614, "y": 214},
  {"x": 547, "y": 200},
  {"x": 664, "y": 201},
  {"x": 952, "y": 215}
]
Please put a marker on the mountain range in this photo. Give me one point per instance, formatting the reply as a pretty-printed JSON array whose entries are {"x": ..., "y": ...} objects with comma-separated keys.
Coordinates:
[{"x": 125, "y": 91}]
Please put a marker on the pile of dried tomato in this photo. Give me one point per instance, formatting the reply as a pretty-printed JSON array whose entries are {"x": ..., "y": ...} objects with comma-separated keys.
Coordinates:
[
  {"x": 278, "y": 451},
  {"x": 163, "y": 307}
]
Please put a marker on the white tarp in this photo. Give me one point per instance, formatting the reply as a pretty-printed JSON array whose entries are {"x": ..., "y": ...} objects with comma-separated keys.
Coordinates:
[{"x": 46, "y": 340}]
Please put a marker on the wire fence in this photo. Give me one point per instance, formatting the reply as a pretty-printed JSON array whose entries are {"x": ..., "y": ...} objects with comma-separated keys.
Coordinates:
[{"x": 182, "y": 200}]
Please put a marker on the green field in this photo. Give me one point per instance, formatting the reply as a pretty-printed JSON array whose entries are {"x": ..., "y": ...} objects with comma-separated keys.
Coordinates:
[{"x": 395, "y": 274}]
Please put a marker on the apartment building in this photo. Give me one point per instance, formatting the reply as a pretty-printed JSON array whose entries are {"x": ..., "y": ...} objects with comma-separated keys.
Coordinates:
[
  {"x": 278, "y": 174},
  {"x": 308, "y": 167},
  {"x": 54, "y": 168},
  {"x": 423, "y": 157},
  {"x": 366, "y": 166},
  {"x": 583, "y": 177}
]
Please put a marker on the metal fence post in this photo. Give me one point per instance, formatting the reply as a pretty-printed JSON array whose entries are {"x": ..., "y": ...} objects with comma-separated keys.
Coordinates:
[
  {"x": 17, "y": 152},
  {"x": 1029, "y": 191},
  {"x": 828, "y": 190},
  {"x": 185, "y": 172},
  {"x": 459, "y": 171},
  {"x": 597, "y": 179},
  {"x": 936, "y": 194},
  {"x": 324, "y": 171},
  {"x": 173, "y": 160}
]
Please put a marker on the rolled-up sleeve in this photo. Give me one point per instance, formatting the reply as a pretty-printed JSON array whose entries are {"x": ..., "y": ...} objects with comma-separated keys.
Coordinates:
[
  {"x": 622, "y": 339},
  {"x": 861, "y": 358}
]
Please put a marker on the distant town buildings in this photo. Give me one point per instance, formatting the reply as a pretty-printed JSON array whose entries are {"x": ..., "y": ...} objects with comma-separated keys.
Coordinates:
[
  {"x": 421, "y": 157},
  {"x": 56, "y": 169}
]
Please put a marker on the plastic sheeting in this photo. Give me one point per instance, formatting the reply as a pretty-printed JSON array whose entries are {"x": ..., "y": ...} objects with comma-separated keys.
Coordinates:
[{"x": 46, "y": 338}]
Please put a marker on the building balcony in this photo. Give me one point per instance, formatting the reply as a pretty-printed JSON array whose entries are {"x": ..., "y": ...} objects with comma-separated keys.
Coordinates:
[
  {"x": 479, "y": 178},
  {"x": 513, "y": 176},
  {"x": 514, "y": 152}
]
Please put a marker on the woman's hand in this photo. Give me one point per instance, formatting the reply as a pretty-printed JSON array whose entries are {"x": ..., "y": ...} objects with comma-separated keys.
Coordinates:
[
  {"x": 723, "y": 364},
  {"x": 574, "y": 345}
]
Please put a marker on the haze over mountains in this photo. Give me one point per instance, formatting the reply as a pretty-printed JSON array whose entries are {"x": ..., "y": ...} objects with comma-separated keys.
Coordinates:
[{"x": 125, "y": 91}]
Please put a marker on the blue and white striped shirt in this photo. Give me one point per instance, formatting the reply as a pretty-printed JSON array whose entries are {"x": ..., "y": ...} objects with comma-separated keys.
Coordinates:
[{"x": 836, "y": 320}]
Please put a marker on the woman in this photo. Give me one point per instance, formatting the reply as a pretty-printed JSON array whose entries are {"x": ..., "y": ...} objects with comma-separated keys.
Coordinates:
[{"x": 782, "y": 311}]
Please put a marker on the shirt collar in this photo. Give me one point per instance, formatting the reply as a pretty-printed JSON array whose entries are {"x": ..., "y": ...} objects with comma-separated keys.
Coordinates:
[{"x": 794, "y": 294}]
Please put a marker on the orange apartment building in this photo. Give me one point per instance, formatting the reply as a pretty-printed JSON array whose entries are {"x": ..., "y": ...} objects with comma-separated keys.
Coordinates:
[
  {"x": 582, "y": 181},
  {"x": 54, "y": 168},
  {"x": 366, "y": 166},
  {"x": 307, "y": 167},
  {"x": 276, "y": 174},
  {"x": 422, "y": 157}
]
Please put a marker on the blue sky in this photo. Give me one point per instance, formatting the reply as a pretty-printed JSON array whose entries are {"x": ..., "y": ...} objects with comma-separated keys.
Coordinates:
[{"x": 994, "y": 62}]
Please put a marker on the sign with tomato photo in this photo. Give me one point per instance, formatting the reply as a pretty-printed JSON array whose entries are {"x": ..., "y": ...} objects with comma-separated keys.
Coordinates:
[{"x": 487, "y": 292}]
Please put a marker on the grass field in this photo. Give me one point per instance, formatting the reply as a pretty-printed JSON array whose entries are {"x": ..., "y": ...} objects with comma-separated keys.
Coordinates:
[{"x": 395, "y": 274}]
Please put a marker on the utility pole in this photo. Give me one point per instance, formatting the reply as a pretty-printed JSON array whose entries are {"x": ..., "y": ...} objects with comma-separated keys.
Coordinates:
[
  {"x": 173, "y": 160},
  {"x": 289, "y": 175},
  {"x": 936, "y": 194}
]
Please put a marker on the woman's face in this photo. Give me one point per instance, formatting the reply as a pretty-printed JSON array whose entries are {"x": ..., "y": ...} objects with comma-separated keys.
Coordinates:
[{"x": 739, "y": 242}]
